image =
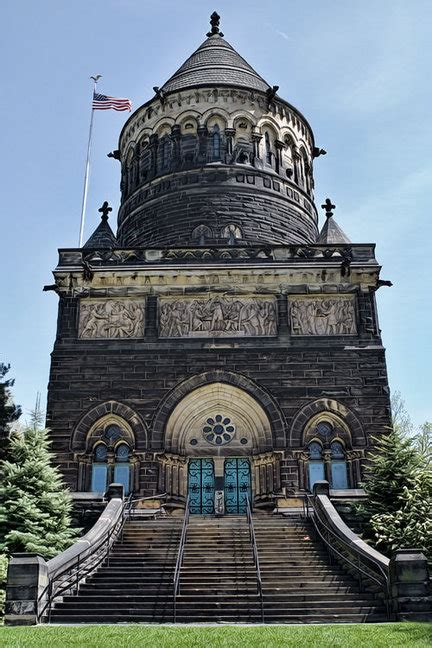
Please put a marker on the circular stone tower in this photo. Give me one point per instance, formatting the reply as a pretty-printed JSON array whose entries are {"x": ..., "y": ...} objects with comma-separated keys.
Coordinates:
[{"x": 216, "y": 157}]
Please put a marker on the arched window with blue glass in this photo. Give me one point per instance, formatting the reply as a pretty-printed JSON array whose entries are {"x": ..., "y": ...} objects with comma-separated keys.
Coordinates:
[
  {"x": 122, "y": 467},
  {"x": 339, "y": 474},
  {"x": 268, "y": 150},
  {"x": 216, "y": 142},
  {"x": 99, "y": 476},
  {"x": 109, "y": 456},
  {"x": 316, "y": 463}
]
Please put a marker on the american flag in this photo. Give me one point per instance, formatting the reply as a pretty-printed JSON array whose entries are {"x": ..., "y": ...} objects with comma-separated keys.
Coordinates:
[{"x": 103, "y": 102}]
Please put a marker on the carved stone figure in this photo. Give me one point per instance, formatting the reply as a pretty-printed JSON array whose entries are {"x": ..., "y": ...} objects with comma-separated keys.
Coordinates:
[
  {"x": 217, "y": 317},
  {"x": 323, "y": 316},
  {"x": 113, "y": 318}
]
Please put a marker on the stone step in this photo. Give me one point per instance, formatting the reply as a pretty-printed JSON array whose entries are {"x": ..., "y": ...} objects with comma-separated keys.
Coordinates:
[
  {"x": 157, "y": 617},
  {"x": 228, "y": 607},
  {"x": 312, "y": 599}
]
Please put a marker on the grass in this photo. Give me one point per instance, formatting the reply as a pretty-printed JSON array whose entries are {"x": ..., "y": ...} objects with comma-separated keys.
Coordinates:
[{"x": 385, "y": 635}]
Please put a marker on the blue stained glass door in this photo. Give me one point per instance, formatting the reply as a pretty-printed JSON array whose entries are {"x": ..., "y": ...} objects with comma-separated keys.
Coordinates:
[
  {"x": 237, "y": 485},
  {"x": 201, "y": 481}
]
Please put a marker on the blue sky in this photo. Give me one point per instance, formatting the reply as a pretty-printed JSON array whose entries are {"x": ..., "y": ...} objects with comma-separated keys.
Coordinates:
[{"x": 359, "y": 70}]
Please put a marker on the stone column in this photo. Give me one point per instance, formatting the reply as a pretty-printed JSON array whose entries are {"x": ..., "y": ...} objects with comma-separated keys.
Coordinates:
[
  {"x": 202, "y": 143},
  {"x": 175, "y": 138},
  {"x": 229, "y": 134},
  {"x": 255, "y": 141},
  {"x": 279, "y": 146},
  {"x": 327, "y": 465},
  {"x": 153, "y": 145}
]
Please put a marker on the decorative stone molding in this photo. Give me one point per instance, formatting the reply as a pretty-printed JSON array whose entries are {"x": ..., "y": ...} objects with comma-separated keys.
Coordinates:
[
  {"x": 87, "y": 422},
  {"x": 217, "y": 316},
  {"x": 322, "y": 406},
  {"x": 113, "y": 318},
  {"x": 216, "y": 414},
  {"x": 269, "y": 405},
  {"x": 323, "y": 315}
]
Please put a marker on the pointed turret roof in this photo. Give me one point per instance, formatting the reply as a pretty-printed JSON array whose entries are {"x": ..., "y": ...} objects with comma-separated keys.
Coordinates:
[
  {"x": 331, "y": 233},
  {"x": 215, "y": 62},
  {"x": 103, "y": 236}
]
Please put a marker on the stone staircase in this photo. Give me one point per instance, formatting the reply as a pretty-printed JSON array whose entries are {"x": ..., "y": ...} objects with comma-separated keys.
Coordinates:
[
  {"x": 300, "y": 584},
  {"x": 218, "y": 577},
  {"x": 136, "y": 585}
]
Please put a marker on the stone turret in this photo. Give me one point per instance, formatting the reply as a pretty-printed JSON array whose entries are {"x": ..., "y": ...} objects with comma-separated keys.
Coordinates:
[{"x": 215, "y": 157}]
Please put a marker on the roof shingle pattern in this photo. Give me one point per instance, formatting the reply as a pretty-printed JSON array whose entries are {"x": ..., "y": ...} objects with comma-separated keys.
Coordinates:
[{"x": 215, "y": 62}]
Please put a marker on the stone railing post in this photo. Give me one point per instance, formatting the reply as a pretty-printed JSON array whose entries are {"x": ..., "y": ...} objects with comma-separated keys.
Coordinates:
[
  {"x": 26, "y": 580},
  {"x": 321, "y": 487},
  {"x": 410, "y": 585},
  {"x": 113, "y": 491}
]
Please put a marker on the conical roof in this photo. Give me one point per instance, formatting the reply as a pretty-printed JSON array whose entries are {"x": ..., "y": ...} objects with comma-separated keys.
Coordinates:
[
  {"x": 215, "y": 62},
  {"x": 103, "y": 236},
  {"x": 331, "y": 233}
]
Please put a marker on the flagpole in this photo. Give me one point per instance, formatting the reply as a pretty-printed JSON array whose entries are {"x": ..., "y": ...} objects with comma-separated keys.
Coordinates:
[{"x": 87, "y": 166}]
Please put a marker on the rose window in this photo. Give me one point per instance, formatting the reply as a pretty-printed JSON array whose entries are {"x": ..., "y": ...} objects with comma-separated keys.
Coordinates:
[{"x": 218, "y": 430}]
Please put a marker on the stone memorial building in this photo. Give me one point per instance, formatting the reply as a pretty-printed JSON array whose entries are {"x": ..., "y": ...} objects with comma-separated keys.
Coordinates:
[{"x": 217, "y": 342}]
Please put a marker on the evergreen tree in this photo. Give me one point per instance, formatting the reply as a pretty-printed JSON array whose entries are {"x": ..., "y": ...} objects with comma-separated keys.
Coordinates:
[
  {"x": 410, "y": 525},
  {"x": 34, "y": 504},
  {"x": 398, "y": 511},
  {"x": 392, "y": 468},
  {"x": 8, "y": 411},
  {"x": 423, "y": 442}
]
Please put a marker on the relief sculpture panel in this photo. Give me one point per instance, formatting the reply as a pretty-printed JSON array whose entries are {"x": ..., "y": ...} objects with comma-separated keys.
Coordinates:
[
  {"x": 323, "y": 316},
  {"x": 113, "y": 318},
  {"x": 217, "y": 317}
]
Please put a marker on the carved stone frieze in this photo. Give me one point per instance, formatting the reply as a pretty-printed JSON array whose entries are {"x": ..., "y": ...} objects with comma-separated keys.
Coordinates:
[
  {"x": 324, "y": 315},
  {"x": 217, "y": 316},
  {"x": 112, "y": 318}
]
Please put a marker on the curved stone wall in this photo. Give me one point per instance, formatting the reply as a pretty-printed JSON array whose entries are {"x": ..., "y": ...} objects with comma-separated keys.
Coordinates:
[
  {"x": 212, "y": 160},
  {"x": 217, "y": 205}
]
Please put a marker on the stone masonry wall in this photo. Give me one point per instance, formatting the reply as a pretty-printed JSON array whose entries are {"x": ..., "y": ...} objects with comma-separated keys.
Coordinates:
[{"x": 141, "y": 375}]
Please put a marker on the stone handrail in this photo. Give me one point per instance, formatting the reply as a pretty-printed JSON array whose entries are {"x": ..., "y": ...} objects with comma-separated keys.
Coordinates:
[
  {"x": 338, "y": 526},
  {"x": 404, "y": 578},
  {"x": 32, "y": 581},
  {"x": 86, "y": 545}
]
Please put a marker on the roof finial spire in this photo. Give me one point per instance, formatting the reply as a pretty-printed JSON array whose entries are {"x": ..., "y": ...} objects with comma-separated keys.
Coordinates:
[
  {"x": 328, "y": 206},
  {"x": 105, "y": 210},
  {"x": 214, "y": 22}
]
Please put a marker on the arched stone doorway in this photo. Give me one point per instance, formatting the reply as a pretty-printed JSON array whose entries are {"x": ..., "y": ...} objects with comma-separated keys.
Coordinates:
[{"x": 219, "y": 449}]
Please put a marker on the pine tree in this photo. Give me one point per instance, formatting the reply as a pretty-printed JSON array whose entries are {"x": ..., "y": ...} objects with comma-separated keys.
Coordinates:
[
  {"x": 410, "y": 526},
  {"x": 8, "y": 411},
  {"x": 398, "y": 511},
  {"x": 35, "y": 507},
  {"x": 392, "y": 467}
]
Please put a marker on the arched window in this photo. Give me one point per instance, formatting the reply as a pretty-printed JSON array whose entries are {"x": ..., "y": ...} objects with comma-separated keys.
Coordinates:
[
  {"x": 201, "y": 233},
  {"x": 99, "y": 476},
  {"x": 339, "y": 477},
  {"x": 232, "y": 232},
  {"x": 216, "y": 143},
  {"x": 110, "y": 455},
  {"x": 122, "y": 466},
  {"x": 268, "y": 151},
  {"x": 316, "y": 463}
]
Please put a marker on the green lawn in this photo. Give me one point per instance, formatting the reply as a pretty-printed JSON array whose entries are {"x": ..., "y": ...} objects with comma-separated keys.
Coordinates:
[{"x": 389, "y": 635}]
